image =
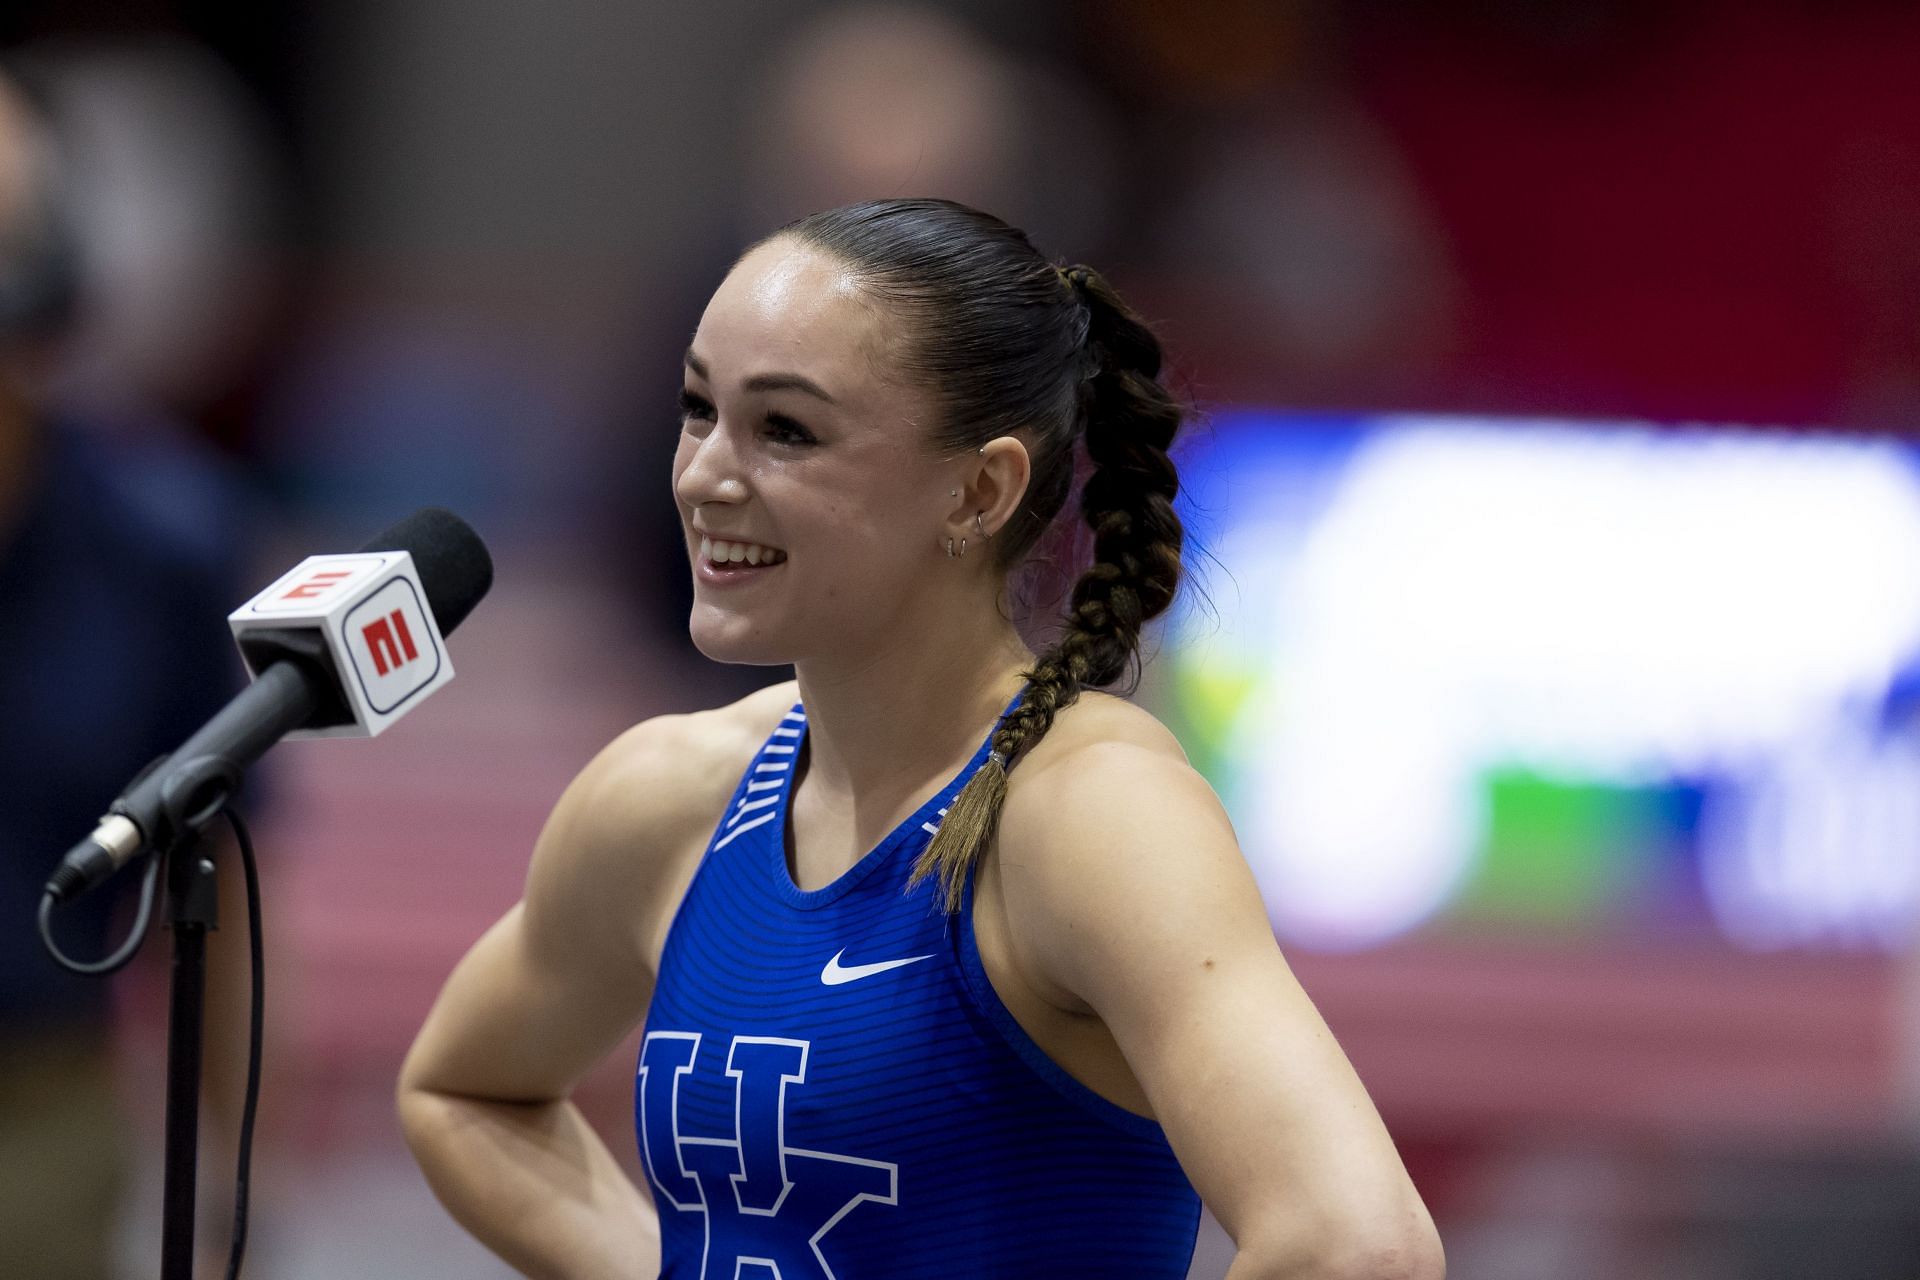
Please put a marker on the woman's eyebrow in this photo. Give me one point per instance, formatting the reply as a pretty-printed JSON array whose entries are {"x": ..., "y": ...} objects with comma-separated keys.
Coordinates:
[{"x": 766, "y": 381}]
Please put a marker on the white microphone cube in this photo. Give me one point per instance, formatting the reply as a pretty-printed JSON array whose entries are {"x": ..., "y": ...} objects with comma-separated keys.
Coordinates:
[{"x": 370, "y": 611}]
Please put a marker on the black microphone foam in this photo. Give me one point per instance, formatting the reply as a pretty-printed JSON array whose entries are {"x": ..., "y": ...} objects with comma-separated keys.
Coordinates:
[{"x": 453, "y": 563}]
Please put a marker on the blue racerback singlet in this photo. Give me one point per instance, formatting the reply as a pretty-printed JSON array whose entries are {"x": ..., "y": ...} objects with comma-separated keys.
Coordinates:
[{"x": 830, "y": 1088}]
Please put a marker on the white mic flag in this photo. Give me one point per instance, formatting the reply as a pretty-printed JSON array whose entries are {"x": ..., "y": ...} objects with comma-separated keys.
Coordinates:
[{"x": 370, "y": 611}]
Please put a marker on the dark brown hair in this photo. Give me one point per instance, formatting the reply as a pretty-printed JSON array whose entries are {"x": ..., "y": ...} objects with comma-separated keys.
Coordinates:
[{"x": 1010, "y": 343}]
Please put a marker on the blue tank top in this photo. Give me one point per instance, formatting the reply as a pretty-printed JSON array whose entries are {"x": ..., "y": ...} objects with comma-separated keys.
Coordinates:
[{"x": 829, "y": 1086}]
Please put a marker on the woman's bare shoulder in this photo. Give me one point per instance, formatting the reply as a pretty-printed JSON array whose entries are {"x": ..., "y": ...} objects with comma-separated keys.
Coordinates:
[
  {"x": 659, "y": 786},
  {"x": 1105, "y": 764},
  {"x": 759, "y": 712},
  {"x": 701, "y": 753},
  {"x": 1097, "y": 755},
  {"x": 1096, "y": 720}
]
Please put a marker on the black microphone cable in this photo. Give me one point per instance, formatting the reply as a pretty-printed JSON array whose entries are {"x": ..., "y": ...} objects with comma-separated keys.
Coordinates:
[
  {"x": 256, "y": 1021},
  {"x": 142, "y": 925}
]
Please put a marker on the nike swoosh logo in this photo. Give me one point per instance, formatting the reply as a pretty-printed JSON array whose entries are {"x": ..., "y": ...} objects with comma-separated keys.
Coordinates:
[{"x": 836, "y": 973}]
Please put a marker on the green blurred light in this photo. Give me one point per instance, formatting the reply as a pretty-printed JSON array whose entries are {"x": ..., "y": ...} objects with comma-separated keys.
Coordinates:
[{"x": 1561, "y": 853}]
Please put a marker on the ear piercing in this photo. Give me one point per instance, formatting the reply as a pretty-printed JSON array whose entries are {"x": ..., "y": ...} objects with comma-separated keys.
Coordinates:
[{"x": 984, "y": 535}]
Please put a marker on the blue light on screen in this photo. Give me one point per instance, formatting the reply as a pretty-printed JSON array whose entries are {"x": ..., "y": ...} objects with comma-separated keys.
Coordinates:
[{"x": 1459, "y": 674}]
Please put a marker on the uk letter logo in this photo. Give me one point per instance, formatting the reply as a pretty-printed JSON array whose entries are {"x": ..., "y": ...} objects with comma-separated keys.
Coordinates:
[{"x": 766, "y": 1204}]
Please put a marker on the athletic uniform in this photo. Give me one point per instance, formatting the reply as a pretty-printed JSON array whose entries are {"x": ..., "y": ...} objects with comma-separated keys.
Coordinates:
[{"x": 829, "y": 1086}]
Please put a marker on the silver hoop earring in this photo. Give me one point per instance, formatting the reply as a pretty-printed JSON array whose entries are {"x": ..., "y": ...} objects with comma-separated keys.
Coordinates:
[
  {"x": 984, "y": 535},
  {"x": 963, "y": 546},
  {"x": 950, "y": 550}
]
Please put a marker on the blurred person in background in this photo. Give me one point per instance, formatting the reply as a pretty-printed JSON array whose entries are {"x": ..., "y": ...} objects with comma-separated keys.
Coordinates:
[
  {"x": 120, "y": 555},
  {"x": 865, "y": 100},
  {"x": 1039, "y": 1086}
]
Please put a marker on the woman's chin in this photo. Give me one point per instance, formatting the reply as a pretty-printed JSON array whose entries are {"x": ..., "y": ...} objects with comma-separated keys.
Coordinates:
[{"x": 726, "y": 643}]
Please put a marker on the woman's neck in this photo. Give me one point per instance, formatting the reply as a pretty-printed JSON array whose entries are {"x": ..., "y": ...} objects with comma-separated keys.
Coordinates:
[{"x": 911, "y": 709}]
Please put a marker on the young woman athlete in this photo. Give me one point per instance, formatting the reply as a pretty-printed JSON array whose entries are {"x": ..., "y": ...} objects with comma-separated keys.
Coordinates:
[{"x": 949, "y": 965}]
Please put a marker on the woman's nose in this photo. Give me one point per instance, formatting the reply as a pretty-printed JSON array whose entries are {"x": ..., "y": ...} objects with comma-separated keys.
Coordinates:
[{"x": 713, "y": 472}]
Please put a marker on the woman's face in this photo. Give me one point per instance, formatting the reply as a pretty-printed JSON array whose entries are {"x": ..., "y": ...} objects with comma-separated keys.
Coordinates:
[{"x": 795, "y": 436}]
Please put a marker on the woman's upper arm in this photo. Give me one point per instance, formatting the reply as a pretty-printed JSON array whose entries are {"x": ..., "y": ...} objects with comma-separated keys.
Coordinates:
[
  {"x": 1125, "y": 887},
  {"x": 562, "y": 977}
]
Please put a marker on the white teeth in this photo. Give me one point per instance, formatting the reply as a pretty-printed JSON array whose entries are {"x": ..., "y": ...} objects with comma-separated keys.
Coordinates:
[{"x": 732, "y": 552}]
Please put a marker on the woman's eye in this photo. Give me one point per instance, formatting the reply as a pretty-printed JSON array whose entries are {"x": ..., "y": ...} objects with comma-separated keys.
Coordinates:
[
  {"x": 788, "y": 431},
  {"x": 692, "y": 406}
]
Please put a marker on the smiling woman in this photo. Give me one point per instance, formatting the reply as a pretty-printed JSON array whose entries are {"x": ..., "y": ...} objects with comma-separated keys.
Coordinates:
[{"x": 948, "y": 964}]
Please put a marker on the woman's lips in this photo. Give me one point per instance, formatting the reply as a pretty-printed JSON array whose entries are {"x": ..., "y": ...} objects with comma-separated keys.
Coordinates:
[{"x": 735, "y": 571}]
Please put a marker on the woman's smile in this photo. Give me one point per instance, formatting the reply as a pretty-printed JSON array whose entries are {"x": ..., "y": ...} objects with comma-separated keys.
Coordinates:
[{"x": 724, "y": 563}]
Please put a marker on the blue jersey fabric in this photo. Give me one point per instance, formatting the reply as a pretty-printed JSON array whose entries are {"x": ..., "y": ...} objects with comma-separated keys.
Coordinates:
[{"x": 829, "y": 1086}]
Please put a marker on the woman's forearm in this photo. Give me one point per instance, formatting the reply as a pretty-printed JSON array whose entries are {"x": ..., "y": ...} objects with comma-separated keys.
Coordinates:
[
  {"x": 534, "y": 1183},
  {"x": 1390, "y": 1265},
  {"x": 1297, "y": 1257}
]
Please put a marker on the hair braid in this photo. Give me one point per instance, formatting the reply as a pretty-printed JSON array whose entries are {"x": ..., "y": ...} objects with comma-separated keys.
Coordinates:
[{"x": 1129, "y": 421}]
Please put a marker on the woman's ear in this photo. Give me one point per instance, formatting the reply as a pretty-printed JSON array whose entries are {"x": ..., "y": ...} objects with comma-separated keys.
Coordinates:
[{"x": 1001, "y": 471}]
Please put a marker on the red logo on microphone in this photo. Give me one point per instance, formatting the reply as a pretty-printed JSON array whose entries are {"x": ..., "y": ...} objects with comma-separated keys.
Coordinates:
[
  {"x": 317, "y": 584},
  {"x": 387, "y": 638}
]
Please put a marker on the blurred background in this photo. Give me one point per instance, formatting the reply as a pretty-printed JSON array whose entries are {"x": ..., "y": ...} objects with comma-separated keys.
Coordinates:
[{"x": 1554, "y": 628}]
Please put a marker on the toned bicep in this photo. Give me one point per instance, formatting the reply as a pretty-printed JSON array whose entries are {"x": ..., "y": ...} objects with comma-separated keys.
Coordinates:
[
  {"x": 1259, "y": 1102},
  {"x": 509, "y": 1028},
  {"x": 1143, "y": 907}
]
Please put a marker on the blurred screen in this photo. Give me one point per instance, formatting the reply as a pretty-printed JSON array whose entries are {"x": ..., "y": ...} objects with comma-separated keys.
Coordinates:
[{"x": 1455, "y": 675}]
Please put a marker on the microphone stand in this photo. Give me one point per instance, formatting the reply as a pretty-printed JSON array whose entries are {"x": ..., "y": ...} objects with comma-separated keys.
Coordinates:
[{"x": 193, "y": 897}]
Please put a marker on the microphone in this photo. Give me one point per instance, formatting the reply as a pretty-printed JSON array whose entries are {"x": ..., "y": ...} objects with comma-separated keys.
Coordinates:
[{"x": 340, "y": 646}]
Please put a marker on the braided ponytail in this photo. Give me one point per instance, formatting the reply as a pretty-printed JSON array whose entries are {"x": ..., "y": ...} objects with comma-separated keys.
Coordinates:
[
  {"x": 1007, "y": 344},
  {"x": 1129, "y": 422}
]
